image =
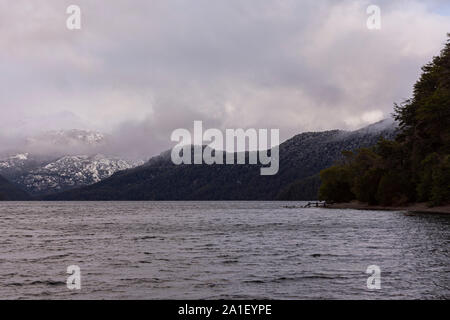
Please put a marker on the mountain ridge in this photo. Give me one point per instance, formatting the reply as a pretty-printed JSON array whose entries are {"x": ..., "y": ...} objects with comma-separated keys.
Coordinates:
[
  {"x": 58, "y": 160},
  {"x": 301, "y": 157}
]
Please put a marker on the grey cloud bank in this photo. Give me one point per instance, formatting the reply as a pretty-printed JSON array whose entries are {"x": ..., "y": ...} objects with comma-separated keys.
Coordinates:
[{"x": 138, "y": 70}]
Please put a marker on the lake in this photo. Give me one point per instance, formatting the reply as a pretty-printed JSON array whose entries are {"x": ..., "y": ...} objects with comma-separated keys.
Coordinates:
[{"x": 219, "y": 250}]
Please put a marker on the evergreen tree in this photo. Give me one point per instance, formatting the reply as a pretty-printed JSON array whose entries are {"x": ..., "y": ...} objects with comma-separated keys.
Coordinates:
[{"x": 414, "y": 167}]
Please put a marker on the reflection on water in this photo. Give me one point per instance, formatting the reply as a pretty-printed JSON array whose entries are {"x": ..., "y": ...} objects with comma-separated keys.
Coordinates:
[{"x": 219, "y": 250}]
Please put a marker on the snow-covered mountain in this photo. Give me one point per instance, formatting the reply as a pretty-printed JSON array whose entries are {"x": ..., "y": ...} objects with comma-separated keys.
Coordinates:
[
  {"x": 18, "y": 163},
  {"x": 15, "y": 161},
  {"x": 45, "y": 168},
  {"x": 70, "y": 172}
]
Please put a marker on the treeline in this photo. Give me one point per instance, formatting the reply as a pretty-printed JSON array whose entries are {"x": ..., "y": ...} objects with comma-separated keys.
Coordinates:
[{"x": 415, "y": 167}]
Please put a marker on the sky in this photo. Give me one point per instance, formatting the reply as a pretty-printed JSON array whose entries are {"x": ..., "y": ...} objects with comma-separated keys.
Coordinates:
[{"x": 139, "y": 69}]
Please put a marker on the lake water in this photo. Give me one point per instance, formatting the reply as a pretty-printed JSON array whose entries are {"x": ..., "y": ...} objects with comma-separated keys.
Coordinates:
[{"x": 219, "y": 250}]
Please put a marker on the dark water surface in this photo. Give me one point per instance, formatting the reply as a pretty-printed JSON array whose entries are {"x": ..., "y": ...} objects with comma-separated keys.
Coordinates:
[{"x": 215, "y": 250}]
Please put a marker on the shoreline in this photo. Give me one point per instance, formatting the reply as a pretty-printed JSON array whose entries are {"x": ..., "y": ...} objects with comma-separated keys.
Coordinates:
[{"x": 414, "y": 207}]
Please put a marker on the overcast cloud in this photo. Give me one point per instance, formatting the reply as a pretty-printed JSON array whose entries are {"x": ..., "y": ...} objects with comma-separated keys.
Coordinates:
[{"x": 140, "y": 69}]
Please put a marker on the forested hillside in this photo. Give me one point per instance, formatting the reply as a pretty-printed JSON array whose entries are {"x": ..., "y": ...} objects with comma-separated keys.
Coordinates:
[
  {"x": 415, "y": 167},
  {"x": 301, "y": 157}
]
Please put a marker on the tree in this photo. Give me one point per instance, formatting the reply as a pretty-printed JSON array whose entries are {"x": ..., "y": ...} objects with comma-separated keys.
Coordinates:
[
  {"x": 336, "y": 184},
  {"x": 414, "y": 167}
]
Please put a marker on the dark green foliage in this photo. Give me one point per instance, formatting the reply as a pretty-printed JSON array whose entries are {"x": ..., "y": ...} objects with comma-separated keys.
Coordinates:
[
  {"x": 301, "y": 190},
  {"x": 393, "y": 189},
  {"x": 365, "y": 186},
  {"x": 337, "y": 186},
  {"x": 440, "y": 189},
  {"x": 426, "y": 177},
  {"x": 414, "y": 167}
]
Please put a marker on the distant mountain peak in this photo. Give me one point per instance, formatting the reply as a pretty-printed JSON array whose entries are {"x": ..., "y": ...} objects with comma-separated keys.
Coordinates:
[
  {"x": 71, "y": 171},
  {"x": 301, "y": 158}
]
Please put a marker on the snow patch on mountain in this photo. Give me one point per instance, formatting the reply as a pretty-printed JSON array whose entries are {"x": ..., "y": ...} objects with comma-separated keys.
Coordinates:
[
  {"x": 62, "y": 159},
  {"x": 17, "y": 160},
  {"x": 72, "y": 171}
]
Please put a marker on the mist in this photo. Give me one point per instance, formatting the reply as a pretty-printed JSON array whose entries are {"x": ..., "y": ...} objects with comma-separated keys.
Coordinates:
[{"x": 137, "y": 71}]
